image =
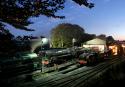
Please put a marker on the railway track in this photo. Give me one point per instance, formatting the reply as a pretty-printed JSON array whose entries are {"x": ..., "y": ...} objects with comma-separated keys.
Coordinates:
[
  {"x": 57, "y": 80},
  {"x": 73, "y": 76}
]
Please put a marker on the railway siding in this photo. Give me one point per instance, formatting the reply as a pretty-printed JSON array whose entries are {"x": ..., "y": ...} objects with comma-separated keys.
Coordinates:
[{"x": 96, "y": 76}]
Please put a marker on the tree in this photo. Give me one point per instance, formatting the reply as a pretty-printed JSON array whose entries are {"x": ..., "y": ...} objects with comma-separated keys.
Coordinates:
[
  {"x": 17, "y": 12},
  {"x": 102, "y": 36},
  {"x": 7, "y": 45},
  {"x": 87, "y": 37},
  {"x": 109, "y": 40},
  {"x": 63, "y": 34}
]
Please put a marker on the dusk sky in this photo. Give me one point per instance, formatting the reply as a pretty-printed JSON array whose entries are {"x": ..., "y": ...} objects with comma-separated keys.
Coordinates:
[{"x": 107, "y": 17}]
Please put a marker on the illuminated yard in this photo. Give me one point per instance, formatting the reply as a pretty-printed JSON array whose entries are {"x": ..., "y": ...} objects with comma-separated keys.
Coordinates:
[
  {"x": 62, "y": 43},
  {"x": 83, "y": 76}
]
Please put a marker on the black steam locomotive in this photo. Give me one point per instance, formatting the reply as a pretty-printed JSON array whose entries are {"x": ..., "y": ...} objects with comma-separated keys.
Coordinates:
[{"x": 59, "y": 56}]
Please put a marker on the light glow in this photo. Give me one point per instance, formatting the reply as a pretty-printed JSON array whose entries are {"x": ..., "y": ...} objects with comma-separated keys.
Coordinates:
[{"x": 114, "y": 49}]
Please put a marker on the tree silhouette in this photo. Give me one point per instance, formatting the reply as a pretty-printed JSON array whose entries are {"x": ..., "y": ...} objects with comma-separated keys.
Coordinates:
[
  {"x": 109, "y": 40},
  {"x": 87, "y": 37},
  {"x": 17, "y": 12},
  {"x": 102, "y": 36},
  {"x": 63, "y": 34},
  {"x": 7, "y": 47}
]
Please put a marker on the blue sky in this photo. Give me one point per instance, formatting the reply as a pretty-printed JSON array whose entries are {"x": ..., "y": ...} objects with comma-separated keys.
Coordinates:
[{"x": 107, "y": 17}]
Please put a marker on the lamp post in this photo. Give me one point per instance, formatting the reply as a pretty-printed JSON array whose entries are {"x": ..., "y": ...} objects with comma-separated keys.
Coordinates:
[
  {"x": 73, "y": 48},
  {"x": 44, "y": 42},
  {"x": 41, "y": 55},
  {"x": 73, "y": 41}
]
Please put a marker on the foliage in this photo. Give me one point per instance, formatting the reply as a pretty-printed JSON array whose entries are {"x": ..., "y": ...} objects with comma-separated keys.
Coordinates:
[
  {"x": 110, "y": 40},
  {"x": 88, "y": 37},
  {"x": 84, "y": 2},
  {"x": 17, "y": 12},
  {"x": 63, "y": 34},
  {"x": 7, "y": 45},
  {"x": 102, "y": 36}
]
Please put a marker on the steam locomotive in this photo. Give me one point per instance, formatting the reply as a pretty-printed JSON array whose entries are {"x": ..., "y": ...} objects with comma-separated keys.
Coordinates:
[
  {"x": 81, "y": 55},
  {"x": 59, "y": 56},
  {"x": 93, "y": 57}
]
